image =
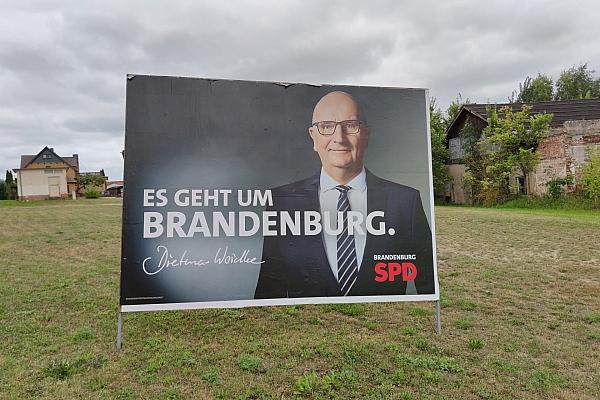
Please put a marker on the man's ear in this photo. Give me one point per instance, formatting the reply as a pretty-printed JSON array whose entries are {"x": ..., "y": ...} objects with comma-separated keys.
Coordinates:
[{"x": 311, "y": 133}]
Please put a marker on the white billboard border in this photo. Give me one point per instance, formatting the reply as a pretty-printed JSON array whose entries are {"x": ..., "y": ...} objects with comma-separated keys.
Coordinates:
[{"x": 288, "y": 301}]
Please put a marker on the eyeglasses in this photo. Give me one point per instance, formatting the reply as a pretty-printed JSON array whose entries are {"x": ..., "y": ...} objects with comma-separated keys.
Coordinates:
[{"x": 349, "y": 127}]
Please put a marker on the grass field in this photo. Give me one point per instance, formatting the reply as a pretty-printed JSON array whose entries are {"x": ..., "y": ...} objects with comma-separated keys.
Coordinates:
[{"x": 521, "y": 319}]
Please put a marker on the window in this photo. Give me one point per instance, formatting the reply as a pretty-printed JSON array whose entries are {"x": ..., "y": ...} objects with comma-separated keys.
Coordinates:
[
  {"x": 456, "y": 150},
  {"x": 521, "y": 185},
  {"x": 46, "y": 156}
]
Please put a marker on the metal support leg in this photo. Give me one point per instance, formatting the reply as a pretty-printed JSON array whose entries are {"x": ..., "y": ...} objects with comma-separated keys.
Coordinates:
[
  {"x": 119, "y": 331},
  {"x": 438, "y": 318}
]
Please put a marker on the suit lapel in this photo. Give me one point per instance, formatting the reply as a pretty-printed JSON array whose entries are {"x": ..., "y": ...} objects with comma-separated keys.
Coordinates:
[
  {"x": 312, "y": 194},
  {"x": 376, "y": 201}
]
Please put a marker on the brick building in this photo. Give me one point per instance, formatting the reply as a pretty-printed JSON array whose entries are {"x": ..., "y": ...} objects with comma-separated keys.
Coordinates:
[{"x": 575, "y": 127}]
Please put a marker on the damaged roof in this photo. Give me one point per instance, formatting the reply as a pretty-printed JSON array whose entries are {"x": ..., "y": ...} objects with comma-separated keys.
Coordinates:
[{"x": 566, "y": 110}]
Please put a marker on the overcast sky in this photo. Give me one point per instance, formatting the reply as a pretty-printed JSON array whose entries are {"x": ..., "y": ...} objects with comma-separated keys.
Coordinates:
[{"x": 63, "y": 65}]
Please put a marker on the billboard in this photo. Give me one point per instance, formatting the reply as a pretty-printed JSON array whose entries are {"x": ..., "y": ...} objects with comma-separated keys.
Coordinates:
[{"x": 244, "y": 193}]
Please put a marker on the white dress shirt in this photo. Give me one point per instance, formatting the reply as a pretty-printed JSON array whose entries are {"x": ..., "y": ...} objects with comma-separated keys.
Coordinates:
[{"x": 328, "y": 198}]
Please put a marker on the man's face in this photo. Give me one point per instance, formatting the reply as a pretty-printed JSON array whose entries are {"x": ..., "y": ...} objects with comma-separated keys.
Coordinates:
[{"x": 341, "y": 149}]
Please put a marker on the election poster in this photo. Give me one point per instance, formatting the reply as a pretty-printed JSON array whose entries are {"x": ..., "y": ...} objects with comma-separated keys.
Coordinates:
[{"x": 241, "y": 193}]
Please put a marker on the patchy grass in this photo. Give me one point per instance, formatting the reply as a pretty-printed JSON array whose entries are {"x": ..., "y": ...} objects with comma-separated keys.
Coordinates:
[
  {"x": 463, "y": 323},
  {"x": 594, "y": 336},
  {"x": 311, "y": 384},
  {"x": 420, "y": 312},
  {"x": 16, "y": 203},
  {"x": 84, "y": 334},
  {"x": 444, "y": 364},
  {"x": 466, "y": 305},
  {"x": 59, "y": 369},
  {"x": 520, "y": 320},
  {"x": 593, "y": 318},
  {"x": 565, "y": 202},
  {"x": 307, "y": 384},
  {"x": 249, "y": 363},
  {"x": 351, "y": 310},
  {"x": 475, "y": 344},
  {"x": 408, "y": 331},
  {"x": 63, "y": 369}
]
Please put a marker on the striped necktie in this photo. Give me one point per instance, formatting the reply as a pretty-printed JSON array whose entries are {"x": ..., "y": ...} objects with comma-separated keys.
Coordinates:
[{"x": 346, "y": 252}]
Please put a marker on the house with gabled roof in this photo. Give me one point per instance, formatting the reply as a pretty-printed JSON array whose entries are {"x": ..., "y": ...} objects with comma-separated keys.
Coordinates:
[
  {"x": 575, "y": 127},
  {"x": 46, "y": 175}
]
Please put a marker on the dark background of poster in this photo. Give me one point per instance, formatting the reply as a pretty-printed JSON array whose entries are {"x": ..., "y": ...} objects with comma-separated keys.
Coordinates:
[{"x": 222, "y": 134}]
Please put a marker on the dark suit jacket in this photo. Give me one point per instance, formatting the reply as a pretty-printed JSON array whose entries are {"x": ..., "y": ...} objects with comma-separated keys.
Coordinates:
[{"x": 297, "y": 266}]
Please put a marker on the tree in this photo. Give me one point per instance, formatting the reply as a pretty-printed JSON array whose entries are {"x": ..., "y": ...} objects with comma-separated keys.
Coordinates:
[
  {"x": 11, "y": 186},
  {"x": 454, "y": 108},
  {"x": 3, "y": 191},
  {"x": 518, "y": 135},
  {"x": 89, "y": 181},
  {"x": 590, "y": 175},
  {"x": 577, "y": 83},
  {"x": 509, "y": 142},
  {"x": 440, "y": 154},
  {"x": 488, "y": 170},
  {"x": 534, "y": 90}
]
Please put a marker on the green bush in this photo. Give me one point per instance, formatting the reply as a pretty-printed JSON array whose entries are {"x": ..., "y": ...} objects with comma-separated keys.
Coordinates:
[
  {"x": 556, "y": 186},
  {"x": 590, "y": 174},
  {"x": 572, "y": 201},
  {"x": 91, "y": 194}
]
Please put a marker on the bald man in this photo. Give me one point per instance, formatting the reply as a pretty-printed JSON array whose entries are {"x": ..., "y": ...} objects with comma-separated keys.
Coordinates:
[{"x": 345, "y": 260}]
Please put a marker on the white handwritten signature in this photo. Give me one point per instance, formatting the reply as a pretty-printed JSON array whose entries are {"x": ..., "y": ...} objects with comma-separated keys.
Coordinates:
[{"x": 222, "y": 256}]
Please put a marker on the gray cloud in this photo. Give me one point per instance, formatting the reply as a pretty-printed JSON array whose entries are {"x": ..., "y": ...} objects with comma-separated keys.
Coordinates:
[{"x": 63, "y": 65}]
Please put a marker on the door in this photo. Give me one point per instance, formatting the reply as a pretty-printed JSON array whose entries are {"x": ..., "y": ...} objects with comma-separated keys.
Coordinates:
[{"x": 54, "y": 186}]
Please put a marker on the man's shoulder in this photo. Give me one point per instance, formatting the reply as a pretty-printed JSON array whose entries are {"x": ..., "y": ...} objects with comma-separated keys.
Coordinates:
[
  {"x": 376, "y": 183},
  {"x": 297, "y": 187},
  {"x": 295, "y": 196}
]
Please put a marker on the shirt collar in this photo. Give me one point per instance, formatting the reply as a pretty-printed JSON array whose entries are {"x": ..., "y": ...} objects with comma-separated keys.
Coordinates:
[{"x": 359, "y": 182}]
